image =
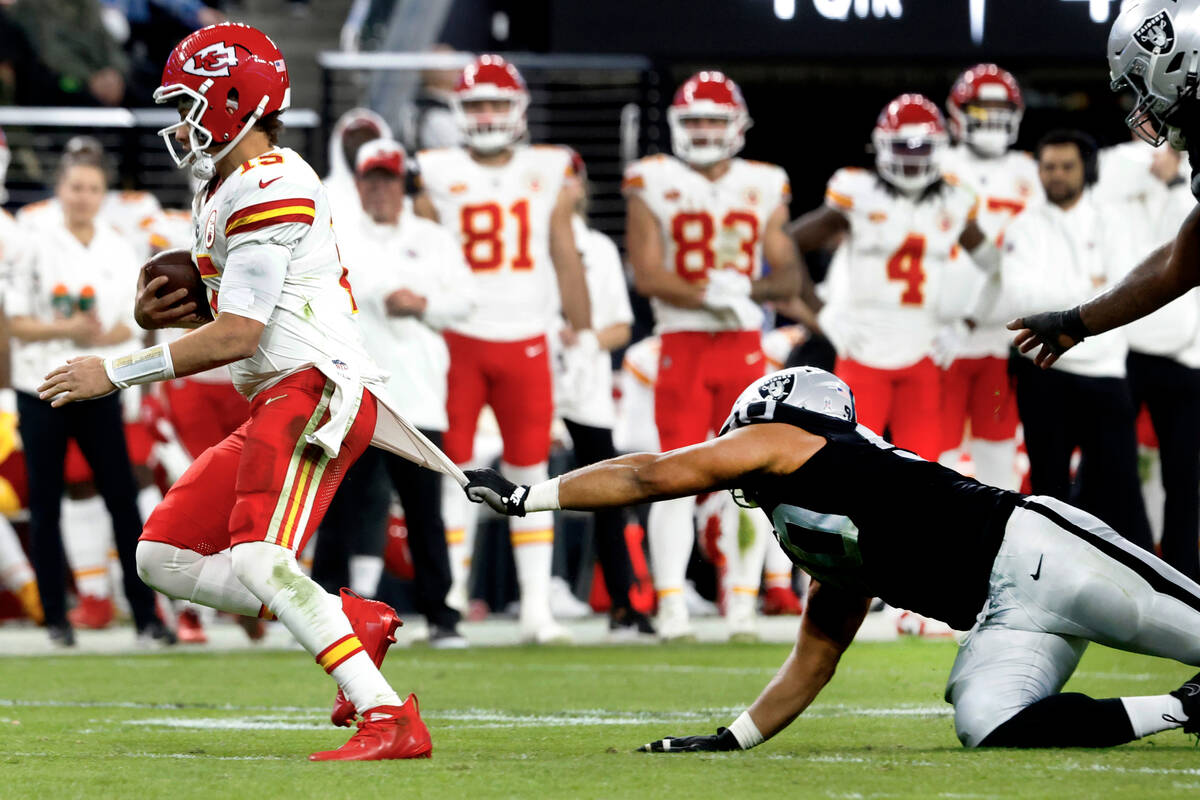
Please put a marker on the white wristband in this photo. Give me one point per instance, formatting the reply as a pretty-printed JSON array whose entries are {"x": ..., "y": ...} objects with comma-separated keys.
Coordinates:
[
  {"x": 543, "y": 496},
  {"x": 145, "y": 366},
  {"x": 746, "y": 732}
]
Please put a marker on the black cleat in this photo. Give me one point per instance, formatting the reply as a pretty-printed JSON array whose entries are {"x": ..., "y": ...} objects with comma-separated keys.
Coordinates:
[
  {"x": 155, "y": 633},
  {"x": 627, "y": 625},
  {"x": 62, "y": 635},
  {"x": 1189, "y": 696}
]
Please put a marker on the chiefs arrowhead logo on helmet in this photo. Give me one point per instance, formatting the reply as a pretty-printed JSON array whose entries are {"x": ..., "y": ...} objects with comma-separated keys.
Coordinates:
[{"x": 213, "y": 61}]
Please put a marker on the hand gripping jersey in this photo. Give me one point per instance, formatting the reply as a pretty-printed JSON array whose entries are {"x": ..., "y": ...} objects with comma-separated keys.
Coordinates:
[
  {"x": 707, "y": 224},
  {"x": 886, "y": 277},
  {"x": 1005, "y": 186},
  {"x": 870, "y": 518},
  {"x": 501, "y": 217},
  {"x": 276, "y": 198}
]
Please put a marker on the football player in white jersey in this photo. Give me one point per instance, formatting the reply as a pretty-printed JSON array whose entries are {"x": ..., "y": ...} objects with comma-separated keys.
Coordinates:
[
  {"x": 699, "y": 226},
  {"x": 903, "y": 224},
  {"x": 984, "y": 110},
  {"x": 227, "y": 533},
  {"x": 507, "y": 204}
]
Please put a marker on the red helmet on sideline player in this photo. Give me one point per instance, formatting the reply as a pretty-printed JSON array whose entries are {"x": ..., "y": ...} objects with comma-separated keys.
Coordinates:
[
  {"x": 985, "y": 108},
  {"x": 708, "y": 95},
  {"x": 909, "y": 139},
  {"x": 490, "y": 78},
  {"x": 231, "y": 76}
]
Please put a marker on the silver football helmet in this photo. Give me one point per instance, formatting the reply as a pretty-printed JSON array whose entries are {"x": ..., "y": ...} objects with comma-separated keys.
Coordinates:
[
  {"x": 1154, "y": 50},
  {"x": 808, "y": 397}
]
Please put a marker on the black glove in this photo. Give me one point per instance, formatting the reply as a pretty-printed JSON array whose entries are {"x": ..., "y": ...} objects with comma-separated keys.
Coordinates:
[
  {"x": 489, "y": 486},
  {"x": 1051, "y": 325},
  {"x": 722, "y": 741}
]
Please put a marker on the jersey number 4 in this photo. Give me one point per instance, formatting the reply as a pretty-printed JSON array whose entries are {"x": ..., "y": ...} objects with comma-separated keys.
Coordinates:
[
  {"x": 693, "y": 233},
  {"x": 906, "y": 266},
  {"x": 483, "y": 236}
]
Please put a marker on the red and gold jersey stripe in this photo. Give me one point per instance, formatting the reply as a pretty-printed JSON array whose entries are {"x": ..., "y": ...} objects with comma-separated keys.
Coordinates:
[
  {"x": 205, "y": 265},
  {"x": 274, "y": 212},
  {"x": 336, "y": 654}
]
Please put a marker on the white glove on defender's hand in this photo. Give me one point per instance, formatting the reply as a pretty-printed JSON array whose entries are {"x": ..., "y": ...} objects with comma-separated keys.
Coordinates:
[{"x": 948, "y": 343}]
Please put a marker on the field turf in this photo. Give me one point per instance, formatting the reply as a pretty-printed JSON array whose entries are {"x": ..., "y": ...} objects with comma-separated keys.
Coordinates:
[{"x": 553, "y": 722}]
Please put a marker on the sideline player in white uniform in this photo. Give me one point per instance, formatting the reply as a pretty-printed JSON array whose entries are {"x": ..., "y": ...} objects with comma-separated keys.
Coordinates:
[
  {"x": 699, "y": 226},
  {"x": 228, "y": 532},
  {"x": 985, "y": 108},
  {"x": 1036, "y": 580},
  {"x": 507, "y": 205},
  {"x": 903, "y": 224}
]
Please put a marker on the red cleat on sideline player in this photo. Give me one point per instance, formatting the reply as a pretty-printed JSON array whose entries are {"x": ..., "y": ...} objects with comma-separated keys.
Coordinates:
[
  {"x": 386, "y": 732},
  {"x": 375, "y": 625}
]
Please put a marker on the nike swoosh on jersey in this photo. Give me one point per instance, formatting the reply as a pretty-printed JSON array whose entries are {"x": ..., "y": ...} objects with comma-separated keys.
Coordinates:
[
  {"x": 534, "y": 350},
  {"x": 264, "y": 184},
  {"x": 273, "y": 399}
]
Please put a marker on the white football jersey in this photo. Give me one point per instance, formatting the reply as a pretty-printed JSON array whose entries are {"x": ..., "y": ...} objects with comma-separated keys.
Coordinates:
[
  {"x": 130, "y": 212},
  {"x": 707, "y": 225},
  {"x": 277, "y": 198},
  {"x": 501, "y": 217},
  {"x": 1005, "y": 186},
  {"x": 885, "y": 278}
]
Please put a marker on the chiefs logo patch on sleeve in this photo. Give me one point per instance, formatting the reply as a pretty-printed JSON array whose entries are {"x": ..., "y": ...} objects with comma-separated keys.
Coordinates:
[{"x": 213, "y": 61}]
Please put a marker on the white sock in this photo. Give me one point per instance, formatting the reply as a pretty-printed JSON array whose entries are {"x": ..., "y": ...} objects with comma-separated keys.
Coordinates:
[
  {"x": 1146, "y": 713},
  {"x": 315, "y": 618},
  {"x": 187, "y": 575},
  {"x": 995, "y": 463},
  {"x": 15, "y": 570},
  {"x": 148, "y": 499},
  {"x": 459, "y": 516},
  {"x": 777, "y": 567},
  {"x": 743, "y": 543},
  {"x": 365, "y": 572},
  {"x": 671, "y": 532},
  {"x": 532, "y": 539},
  {"x": 87, "y": 540}
]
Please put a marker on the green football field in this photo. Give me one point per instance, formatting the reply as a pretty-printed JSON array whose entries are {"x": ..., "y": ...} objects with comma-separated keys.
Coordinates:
[{"x": 561, "y": 722}]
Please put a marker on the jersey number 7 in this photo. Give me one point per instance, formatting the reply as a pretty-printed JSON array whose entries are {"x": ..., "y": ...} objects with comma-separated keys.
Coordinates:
[{"x": 483, "y": 236}]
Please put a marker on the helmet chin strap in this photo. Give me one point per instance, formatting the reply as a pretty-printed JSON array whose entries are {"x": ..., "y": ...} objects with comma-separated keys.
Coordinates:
[{"x": 205, "y": 165}]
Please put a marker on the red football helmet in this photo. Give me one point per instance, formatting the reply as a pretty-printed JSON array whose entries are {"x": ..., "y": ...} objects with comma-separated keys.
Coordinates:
[
  {"x": 493, "y": 79},
  {"x": 909, "y": 139},
  {"x": 985, "y": 107},
  {"x": 708, "y": 95},
  {"x": 231, "y": 75}
]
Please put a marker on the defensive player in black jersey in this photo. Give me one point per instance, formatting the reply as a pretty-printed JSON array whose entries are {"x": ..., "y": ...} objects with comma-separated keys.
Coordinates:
[{"x": 1034, "y": 579}]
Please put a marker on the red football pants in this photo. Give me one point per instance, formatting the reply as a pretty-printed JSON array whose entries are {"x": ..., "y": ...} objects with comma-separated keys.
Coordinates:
[
  {"x": 203, "y": 413},
  {"x": 978, "y": 389},
  {"x": 905, "y": 401},
  {"x": 700, "y": 375},
  {"x": 511, "y": 377},
  {"x": 263, "y": 482}
]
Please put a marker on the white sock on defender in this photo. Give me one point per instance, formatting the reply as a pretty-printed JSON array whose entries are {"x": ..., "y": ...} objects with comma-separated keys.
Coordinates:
[
  {"x": 744, "y": 544},
  {"x": 532, "y": 538},
  {"x": 365, "y": 572},
  {"x": 87, "y": 540},
  {"x": 458, "y": 515},
  {"x": 671, "y": 533},
  {"x": 995, "y": 463},
  {"x": 315, "y": 618},
  {"x": 187, "y": 575},
  {"x": 776, "y": 565},
  {"x": 1146, "y": 713}
]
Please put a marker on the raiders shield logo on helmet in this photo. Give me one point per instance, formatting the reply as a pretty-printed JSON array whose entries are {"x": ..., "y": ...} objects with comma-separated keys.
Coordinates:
[
  {"x": 1156, "y": 34},
  {"x": 213, "y": 61},
  {"x": 778, "y": 387}
]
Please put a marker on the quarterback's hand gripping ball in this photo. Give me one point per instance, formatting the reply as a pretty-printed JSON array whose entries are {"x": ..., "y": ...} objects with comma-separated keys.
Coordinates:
[
  {"x": 723, "y": 740},
  {"x": 489, "y": 486}
]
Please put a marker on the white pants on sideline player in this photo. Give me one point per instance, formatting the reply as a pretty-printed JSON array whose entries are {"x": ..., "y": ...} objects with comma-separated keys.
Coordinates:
[{"x": 1061, "y": 579}]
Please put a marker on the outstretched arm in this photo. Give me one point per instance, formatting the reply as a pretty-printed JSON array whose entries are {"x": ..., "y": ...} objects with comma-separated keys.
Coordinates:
[
  {"x": 829, "y": 625},
  {"x": 1165, "y": 274},
  {"x": 771, "y": 448}
]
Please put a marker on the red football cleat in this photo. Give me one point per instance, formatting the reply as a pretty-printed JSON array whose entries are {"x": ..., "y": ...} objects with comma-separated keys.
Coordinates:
[
  {"x": 190, "y": 630},
  {"x": 92, "y": 612},
  {"x": 375, "y": 625},
  {"x": 781, "y": 601},
  {"x": 385, "y": 732}
]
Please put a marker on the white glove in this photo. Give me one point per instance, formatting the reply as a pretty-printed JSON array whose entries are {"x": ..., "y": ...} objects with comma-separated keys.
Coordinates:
[
  {"x": 578, "y": 372},
  {"x": 725, "y": 288},
  {"x": 948, "y": 343}
]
